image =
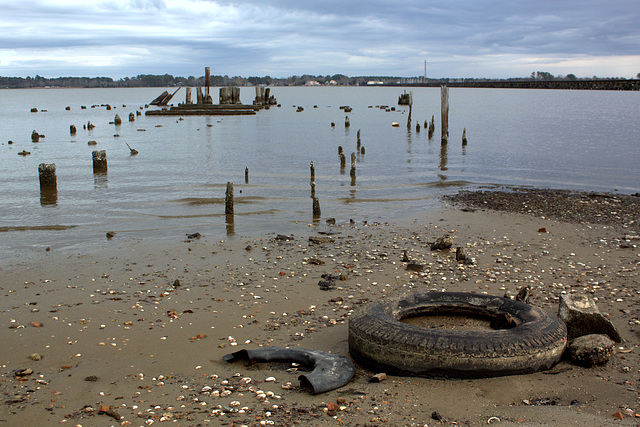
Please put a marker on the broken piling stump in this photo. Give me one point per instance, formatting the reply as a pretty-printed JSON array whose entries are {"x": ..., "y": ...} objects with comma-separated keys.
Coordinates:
[
  {"x": 464, "y": 136},
  {"x": 228, "y": 199},
  {"x": 72, "y": 129},
  {"x": 47, "y": 174},
  {"x": 117, "y": 120},
  {"x": 246, "y": 175},
  {"x": 48, "y": 184},
  {"x": 316, "y": 207},
  {"x": 99, "y": 161},
  {"x": 313, "y": 172},
  {"x": 35, "y": 136}
]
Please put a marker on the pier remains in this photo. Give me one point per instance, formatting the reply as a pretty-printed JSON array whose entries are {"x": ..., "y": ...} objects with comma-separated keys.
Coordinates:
[{"x": 229, "y": 102}]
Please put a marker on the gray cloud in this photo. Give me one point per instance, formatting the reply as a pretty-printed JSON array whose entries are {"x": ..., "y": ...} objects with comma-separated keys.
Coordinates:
[{"x": 458, "y": 38}]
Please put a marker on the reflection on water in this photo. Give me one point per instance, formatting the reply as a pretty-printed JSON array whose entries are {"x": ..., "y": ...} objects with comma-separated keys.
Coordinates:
[
  {"x": 100, "y": 180},
  {"x": 443, "y": 157},
  {"x": 48, "y": 196},
  {"x": 230, "y": 224}
]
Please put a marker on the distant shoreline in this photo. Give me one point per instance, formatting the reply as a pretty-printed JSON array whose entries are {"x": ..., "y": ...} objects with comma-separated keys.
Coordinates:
[{"x": 586, "y": 84}]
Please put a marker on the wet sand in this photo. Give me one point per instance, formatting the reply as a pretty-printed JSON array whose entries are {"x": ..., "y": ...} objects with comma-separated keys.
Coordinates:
[{"x": 138, "y": 329}]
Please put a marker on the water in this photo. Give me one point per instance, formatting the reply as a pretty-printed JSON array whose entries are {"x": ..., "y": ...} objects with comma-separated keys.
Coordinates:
[{"x": 582, "y": 140}]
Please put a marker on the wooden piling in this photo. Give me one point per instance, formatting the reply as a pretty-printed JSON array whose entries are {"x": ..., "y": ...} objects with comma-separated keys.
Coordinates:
[
  {"x": 464, "y": 136},
  {"x": 444, "y": 114},
  {"x": 99, "y": 161},
  {"x": 347, "y": 123},
  {"x": 246, "y": 175},
  {"x": 313, "y": 172},
  {"x": 228, "y": 199},
  {"x": 72, "y": 129},
  {"x": 313, "y": 189},
  {"x": 35, "y": 136},
  {"x": 207, "y": 80},
  {"x": 340, "y": 150},
  {"x": 117, "y": 120},
  {"x": 316, "y": 207},
  {"x": 132, "y": 117},
  {"x": 343, "y": 161},
  {"x": 410, "y": 108},
  {"x": 352, "y": 172},
  {"x": 199, "y": 96},
  {"x": 48, "y": 179}
]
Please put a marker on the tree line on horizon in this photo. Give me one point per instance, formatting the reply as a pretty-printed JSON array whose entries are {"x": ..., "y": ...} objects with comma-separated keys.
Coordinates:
[{"x": 167, "y": 80}]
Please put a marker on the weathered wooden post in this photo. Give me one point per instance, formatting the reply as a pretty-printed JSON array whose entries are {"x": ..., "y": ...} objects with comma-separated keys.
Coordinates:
[
  {"x": 432, "y": 127},
  {"x": 199, "y": 95},
  {"x": 313, "y": 172},
  {"x": 72, "y": 129},
  {"x": 316, "y": 207},
  {"x": 99, "y": 161},
  {"x": 207, "y": 79},
  {"x": 187, "y": 99},
  {"x": 464, "y": 136},
  {"x": 228, "y": 199},
  {"x": 410, "y": 108},
  {"x": 246, "y": 175},
  {"x": 35, "y": 136},
  {"x": 117, "y": 120},
  {"x": 359, "y": 141},
  {"x": 48, "y": 183},
  {"x": 235, "y": 95},
  {"x": 132, "y": 117},
  {"x": 347, "y": 123},
  {"x": 352, "y": 172},
  {"x": 343, "y": 161},
  {"x": 362, "y": 150},
  {"x": 444, "y": 114},
  {"x": 340, "y": 150},
  {"x": 48, "y": 179},
  {"x": 313, "y": 189}
]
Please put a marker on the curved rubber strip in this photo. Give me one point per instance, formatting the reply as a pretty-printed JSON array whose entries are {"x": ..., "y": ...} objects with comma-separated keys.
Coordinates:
[{"x": 329, "y": 371}]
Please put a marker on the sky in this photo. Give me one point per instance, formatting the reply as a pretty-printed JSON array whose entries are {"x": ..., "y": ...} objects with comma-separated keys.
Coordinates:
[{"x": 282, "y": 38}]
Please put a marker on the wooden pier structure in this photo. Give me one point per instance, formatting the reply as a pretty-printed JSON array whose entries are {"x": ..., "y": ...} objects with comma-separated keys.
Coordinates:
[{"x": 229, "y": 105}]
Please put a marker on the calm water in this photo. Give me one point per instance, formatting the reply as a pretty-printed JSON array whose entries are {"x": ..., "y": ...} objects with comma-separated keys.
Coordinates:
[{"x": 585, "y": 140}]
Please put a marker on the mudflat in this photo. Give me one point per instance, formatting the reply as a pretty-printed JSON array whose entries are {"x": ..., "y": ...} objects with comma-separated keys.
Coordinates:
[{"x": 134, "y": 333}]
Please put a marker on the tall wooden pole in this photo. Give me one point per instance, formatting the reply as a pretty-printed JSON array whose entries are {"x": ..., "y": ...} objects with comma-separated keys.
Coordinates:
[{"x": 444, "y": 113}]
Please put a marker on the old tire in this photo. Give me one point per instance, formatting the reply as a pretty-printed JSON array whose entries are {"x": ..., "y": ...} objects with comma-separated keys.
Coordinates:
[{"x": 379, "y": 341}]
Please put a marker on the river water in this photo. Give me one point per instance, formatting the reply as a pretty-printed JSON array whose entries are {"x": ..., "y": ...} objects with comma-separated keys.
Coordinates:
[{"x": 582, "y": 140}]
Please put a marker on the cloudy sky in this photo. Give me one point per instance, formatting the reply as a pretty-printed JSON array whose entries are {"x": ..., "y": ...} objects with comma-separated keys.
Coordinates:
[{"x": 281, "y": 38}]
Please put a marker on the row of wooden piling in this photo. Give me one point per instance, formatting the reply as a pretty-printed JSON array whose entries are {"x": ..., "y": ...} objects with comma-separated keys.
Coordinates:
[{"x": 407, "y": 99}]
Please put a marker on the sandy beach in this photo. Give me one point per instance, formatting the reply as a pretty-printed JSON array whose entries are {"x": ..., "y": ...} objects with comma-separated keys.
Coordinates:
[{"x": 134, "y": 333}]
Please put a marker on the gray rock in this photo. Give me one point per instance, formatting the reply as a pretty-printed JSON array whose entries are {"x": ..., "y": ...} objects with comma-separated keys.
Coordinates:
[
  {"x": 444, "y": 242},
  {"x": 590, "y": 350},
  {"x": 582, "y": 317}
]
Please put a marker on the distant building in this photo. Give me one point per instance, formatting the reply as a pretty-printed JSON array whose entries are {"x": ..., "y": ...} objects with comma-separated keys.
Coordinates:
[
  {"x": 311, "y": 83},
  {"x": 374, "y": 82}
]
